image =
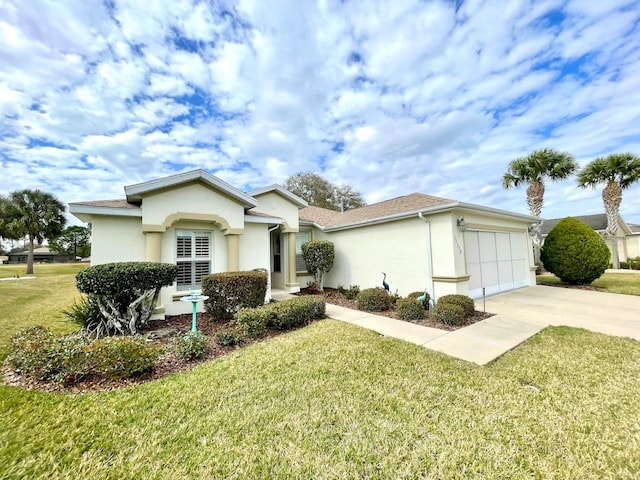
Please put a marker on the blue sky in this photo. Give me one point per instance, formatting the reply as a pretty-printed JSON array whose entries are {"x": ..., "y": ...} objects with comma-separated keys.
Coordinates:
[{"x": 389, "y": 97}]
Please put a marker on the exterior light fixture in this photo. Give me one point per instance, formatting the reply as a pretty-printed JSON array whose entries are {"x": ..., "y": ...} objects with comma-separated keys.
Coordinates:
[{"x": 462, "y": 225}]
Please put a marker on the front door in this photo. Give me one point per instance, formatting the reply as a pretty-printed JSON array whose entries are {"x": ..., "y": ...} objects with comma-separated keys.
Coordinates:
[{"x": 277, "y": 261}]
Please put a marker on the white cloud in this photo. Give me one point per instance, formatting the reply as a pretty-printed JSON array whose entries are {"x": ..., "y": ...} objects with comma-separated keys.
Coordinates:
[{"x": 390, "y": 97}]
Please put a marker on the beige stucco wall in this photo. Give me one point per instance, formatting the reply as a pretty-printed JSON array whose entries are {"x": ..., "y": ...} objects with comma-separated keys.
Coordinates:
[
  {"x": 116, "y": 239},
  {"x": 254, "y": 247},
  {"x": 276, "y": 205},
  {"x": 193, "y": 198},
  {"x": 633, "y": 246}
]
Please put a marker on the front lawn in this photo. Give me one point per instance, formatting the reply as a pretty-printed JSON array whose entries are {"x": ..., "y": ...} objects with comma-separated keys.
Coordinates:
[
  {"x": 625, "y": 283},
  {"x": 335, "y": 401}
]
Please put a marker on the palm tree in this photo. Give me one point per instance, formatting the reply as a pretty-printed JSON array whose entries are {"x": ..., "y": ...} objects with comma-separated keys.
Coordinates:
[
  {"x": 617, "y": 171},
  {"x": 34, "y": 214},
  {"x": 534, "y": 169}
]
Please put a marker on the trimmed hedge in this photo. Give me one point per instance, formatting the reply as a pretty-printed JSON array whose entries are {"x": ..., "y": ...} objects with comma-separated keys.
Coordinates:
[
  {"x": 285, "y": 315},
  {"x": 449, "y": 314},
  {"x": 409, "y": 309},
  {"x": 229, "y": 292},
  {"x": 574, "y": 252},
  {"x": 373, "y": 299},
  {"x": 467, "y": 303}
]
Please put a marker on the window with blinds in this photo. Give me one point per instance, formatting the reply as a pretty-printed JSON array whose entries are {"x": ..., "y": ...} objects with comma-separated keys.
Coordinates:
[
  {"x": 301, "y": 237},
  {"x": 193, "y": 256}
]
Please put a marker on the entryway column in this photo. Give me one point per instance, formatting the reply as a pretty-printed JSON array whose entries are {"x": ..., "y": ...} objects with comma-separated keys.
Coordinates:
[
  {"x": 233, "y": 252},
  {"x": 153, "y": 247},
  {"x": 292, "y": 279}
]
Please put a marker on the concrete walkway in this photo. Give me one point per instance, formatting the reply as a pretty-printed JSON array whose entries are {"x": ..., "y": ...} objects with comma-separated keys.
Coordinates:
[{"x": 520, "y": 314}]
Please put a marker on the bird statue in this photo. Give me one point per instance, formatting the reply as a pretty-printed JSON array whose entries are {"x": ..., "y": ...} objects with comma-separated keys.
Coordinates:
[{"x": 385, "y": 284}]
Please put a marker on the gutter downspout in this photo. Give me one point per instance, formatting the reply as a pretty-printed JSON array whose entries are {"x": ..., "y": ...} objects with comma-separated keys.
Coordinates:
[
  {"x": 268, "y": 296},
  {"x": 429, "y": 255}
]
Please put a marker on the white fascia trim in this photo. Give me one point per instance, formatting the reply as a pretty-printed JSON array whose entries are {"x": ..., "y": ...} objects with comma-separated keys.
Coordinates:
[
  {"x": 135, "y": 192},
  {"x": 496, "y": 212},
  {"x": 282, "y": 191},
  {"x": 113, "y": 211},
  {"x": 266, "y": 220}
]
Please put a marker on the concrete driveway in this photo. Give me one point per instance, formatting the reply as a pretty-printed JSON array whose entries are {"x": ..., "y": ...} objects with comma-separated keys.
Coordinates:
[{"x": 609, "y": 313}]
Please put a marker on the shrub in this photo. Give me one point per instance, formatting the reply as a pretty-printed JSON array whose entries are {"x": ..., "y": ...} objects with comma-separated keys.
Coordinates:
[
  {"x": 574, "y": 252},
  {"x": 191, "y": 345},
  {"x": 373, "y": 299},
  {"x": 352, "y": 292},
  {"x": 467, "y": 304},
  {"x": 228, "y": 338},
  {"x": 86, "y": 313},
  {"x": 36, "y": 352},
  {"x": 252, "y": 322},
  {"x": 296, "y": 312},
  {"x": 318, "y": 257},
  {"x": 228, "y": 292},
  {"x": 125, "y": 292},
  {"x": 449, "y": 314},
  {"x": 117, "y": 358},
  {"x": 416, "y": 295},
  {"x": 409, "y": 309}
]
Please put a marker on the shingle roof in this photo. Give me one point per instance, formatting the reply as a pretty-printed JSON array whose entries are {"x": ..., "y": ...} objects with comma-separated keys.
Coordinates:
[
  {"x": 108, "y": 204},
  {"x": 396, "y": 206},
  {"x": 634, "y": 227},
  {"x": 597, "y": 222}
]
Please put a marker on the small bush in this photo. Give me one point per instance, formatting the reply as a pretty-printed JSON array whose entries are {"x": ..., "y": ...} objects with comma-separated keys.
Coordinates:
[
  {"x": 373, "y": 299},
  {"x": 228, "y": 338},
  {"x": 416, "y": 295},
  {"x": 318, "y": 256},
  {"x": 449, "y": 314},
  {"x": 352, "y": 292},
  {"x": 252, "y": 322},
  {"x": 467, "y": 304},
  {"x": 394, "y": 297},
  {"x": 574, "y": 252},
  {"x": 229, "y": 292},
  {"x": 409, "y": 309},
  {"x": 192, "y": 345},
  {"x": 117, "y": 358},
  {"x": 296, "y": 312},
  {"x": 37, "y": 353}
]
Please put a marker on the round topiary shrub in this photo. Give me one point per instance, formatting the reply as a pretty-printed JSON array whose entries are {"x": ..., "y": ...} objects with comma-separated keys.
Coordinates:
[
  {"x": 449, "y": 314},
  {"x": 574, "y": 252},
  {"x": 416, "y": 295},
  {"x": 409, "y": 309},
  {"x": 373, "y": 300},
  {"x": 467, "y": 303}
]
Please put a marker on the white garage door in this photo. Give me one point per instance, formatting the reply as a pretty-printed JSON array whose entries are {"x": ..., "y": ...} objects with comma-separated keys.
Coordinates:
[{"x": 496, "y": 261}]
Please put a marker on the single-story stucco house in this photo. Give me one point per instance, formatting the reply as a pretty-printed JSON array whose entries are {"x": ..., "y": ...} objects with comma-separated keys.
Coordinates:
[
  {"x": 205, "y": 225},
  {"x": 599, "y": 223},
  {"x": 41, "y": 254},
  {"x": 633, "y": 241}
]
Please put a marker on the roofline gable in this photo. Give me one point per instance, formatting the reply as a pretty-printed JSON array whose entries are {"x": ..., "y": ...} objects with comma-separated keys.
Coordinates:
[
  {"x": 279, "y": 189},
  {"x": 137, "y": 191}
]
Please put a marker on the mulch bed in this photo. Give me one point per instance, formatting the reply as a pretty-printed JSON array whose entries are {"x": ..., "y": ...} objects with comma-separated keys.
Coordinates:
[
  {"x": 164, "y": 332},
  {"x": 168, "y": 363},
  {"x": 334, "y": 297}
]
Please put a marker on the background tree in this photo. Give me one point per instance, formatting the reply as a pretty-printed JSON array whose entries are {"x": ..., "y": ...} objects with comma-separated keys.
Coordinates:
[
  {"x": 319, "y": 192},
  {"x": 533, "y": 170},
  {"x": 33, "y": 214},
  {"x": 74, "y": 240},
  {"x": 617, "y": 171}
]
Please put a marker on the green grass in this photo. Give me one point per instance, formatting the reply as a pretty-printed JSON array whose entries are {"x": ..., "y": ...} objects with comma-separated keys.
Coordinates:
[
  {"x": 335, "y": 401},
  {"x": 38, "y": 301},
  {"x": 626, "y": 283}
]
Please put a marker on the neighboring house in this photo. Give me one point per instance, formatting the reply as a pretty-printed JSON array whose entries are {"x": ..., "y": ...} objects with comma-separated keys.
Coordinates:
[
  {"x": 205, "y": 225},
  {"x": 40, "y": 255},
  {"x": 633, "y": 241},
  {"x": 3, "y": 259},
  {"x": 599, "y": 223}
]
